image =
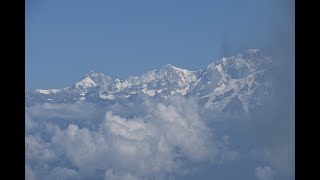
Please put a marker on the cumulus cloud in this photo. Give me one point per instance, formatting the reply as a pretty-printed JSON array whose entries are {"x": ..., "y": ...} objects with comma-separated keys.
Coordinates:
[
  {"x": 146, "y": 139},
  {"x": 163, "y": 141},
  {"x": 264, "y": 173}
]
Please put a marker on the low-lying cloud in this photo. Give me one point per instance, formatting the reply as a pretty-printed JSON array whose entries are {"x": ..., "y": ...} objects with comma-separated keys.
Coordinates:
[
  {"x": 83, "y": 141},
  {"x": 151, "y": 139}
]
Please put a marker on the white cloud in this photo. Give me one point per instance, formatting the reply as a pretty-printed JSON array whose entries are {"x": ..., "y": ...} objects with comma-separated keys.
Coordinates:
[
  {"x": 264, "y": 173},
  {"x": 37, "y": 149},
  {"x": 153, "y": 144}
]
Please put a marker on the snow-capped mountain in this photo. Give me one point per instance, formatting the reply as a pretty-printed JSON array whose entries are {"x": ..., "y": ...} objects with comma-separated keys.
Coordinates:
[{"x": 237, "y": 82}]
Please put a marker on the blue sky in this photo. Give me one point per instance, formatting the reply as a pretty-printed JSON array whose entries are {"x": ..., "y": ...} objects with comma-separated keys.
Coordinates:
[{"x": 65, "y": 39}]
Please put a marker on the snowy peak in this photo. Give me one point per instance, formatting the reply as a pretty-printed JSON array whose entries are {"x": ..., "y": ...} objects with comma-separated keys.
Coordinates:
[
  {"x": 168, "y": 66},
  {"x": 86, "y": 83},
  {"x": 241, "y": 65},
  {"x": 90, "y": 73},
  {"x": 90, "y": 80},
  {"x": 183, "y": 75},
  {"x": 82, "y": 87},
  {"x": 164, "y": 81},
  {"x": 99, "y": 79}
]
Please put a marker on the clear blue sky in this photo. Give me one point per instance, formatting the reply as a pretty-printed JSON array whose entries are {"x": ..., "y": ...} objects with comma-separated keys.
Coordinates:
[{"x": 67, "y": 38}]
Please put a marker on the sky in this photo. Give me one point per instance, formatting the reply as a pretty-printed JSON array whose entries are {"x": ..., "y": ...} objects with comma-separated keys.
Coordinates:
[{"x": 66, "y": 39}]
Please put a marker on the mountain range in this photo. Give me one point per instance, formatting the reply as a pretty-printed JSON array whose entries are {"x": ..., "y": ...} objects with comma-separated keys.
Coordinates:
[{"x": 236, "y": 83}]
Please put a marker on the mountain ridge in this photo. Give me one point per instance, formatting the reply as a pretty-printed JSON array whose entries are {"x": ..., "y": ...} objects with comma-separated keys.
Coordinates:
[{"x": 238, "y": 79}]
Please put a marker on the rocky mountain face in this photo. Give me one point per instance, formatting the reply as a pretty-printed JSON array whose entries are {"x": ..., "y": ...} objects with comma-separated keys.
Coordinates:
[{"x": 231, "y": 84}]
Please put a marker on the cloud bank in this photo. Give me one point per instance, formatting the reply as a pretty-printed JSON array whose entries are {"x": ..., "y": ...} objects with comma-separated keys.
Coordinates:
[{"x": 83, "y": 141}]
